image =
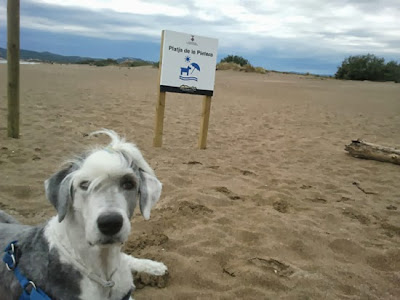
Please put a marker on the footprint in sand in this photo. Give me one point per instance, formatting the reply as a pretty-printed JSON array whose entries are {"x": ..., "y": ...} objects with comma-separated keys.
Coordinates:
[
  {"x": 305, "y": 187},
  {"x": 317, "y": 200},
  {"x": 351, "y": 213},
  {"x": 281, "y": 205},
  {"x": 391, "y": 207},
  {"x": 224, "y": 190},
  {"x": 189, "y": 208},
  {"x": 344, "y": 199},
  {"x": 273, "y": 265},
  {"x": 36, "y": 157},
  {"x": 145, "y": 240},
  {"x": 213, "y": 167},
  {"x": 192, "y": 162},
  {"x": 389, "y": 262},
  {"x": 247, "y": 173},
  {"x": 391, "y": 230},
  {"x": 347, "y": 248}
]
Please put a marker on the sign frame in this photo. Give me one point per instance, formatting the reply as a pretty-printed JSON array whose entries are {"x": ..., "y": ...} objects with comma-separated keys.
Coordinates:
[{"x": 202, "y": 73}]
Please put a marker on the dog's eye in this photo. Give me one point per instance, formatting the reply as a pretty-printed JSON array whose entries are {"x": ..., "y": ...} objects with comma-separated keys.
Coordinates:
[
  {"x": 84, "y": 185},
  {"x": 128, "y": 185}
]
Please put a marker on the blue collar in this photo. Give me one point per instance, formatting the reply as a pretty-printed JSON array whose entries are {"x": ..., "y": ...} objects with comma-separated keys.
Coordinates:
[
  {"x": 11, "y": 261},
  {"x": 10, "y": 258}
]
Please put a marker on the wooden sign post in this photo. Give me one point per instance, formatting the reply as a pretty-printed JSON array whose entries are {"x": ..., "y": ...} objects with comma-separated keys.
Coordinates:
[
  {"x": 160, "y": 108},
  {"x": 13, "y": 67},
  {"x": 187, "y": 65},
  {"x": 159, "y": 128},
  {"x": 205, "y": 116}
]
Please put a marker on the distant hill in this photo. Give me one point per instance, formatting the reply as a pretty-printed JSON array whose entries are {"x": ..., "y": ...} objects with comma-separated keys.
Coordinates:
[
  {"x": 56, "y": 58},
  {"x": 44, "y": 56}
]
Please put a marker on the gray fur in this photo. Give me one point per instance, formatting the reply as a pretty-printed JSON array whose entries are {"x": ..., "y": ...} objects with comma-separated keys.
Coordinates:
[
  {"x": 143, "y": 192},
  {"x": 60, "y": 281},
  {"x": 43, "y": 266},
  {"x": 59, "y": 190},
  {"x": 132, "y": 200},
  {"x": 6, "y": 218}
]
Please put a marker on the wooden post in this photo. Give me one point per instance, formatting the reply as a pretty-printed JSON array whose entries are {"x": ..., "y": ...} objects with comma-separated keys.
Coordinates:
[
  {"x": 158, "y": 131},
  {"x": 205, "y": 116},
  {"x": 13, "y": 67},
  {"x": 160, "y": 108}
]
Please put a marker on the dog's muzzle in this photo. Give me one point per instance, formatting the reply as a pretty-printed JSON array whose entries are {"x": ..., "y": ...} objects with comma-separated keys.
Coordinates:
[{"x": 110, "y": 223}]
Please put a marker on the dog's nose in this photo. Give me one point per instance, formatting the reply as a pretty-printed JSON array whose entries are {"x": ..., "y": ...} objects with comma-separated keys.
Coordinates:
[{"x": 110, "y": 224}]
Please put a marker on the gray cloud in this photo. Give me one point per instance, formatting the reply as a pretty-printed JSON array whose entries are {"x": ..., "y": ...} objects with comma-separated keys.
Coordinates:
[
  {"x": 345, "y": 25},
  {"x": 287, "y": 28}
]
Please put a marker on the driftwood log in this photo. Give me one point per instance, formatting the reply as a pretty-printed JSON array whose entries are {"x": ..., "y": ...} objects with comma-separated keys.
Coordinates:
[{"x": 361, "y": 149}]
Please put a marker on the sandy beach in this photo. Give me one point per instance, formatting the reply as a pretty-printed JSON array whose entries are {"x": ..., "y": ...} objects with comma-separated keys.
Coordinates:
[{"x": 268, "y": 211}]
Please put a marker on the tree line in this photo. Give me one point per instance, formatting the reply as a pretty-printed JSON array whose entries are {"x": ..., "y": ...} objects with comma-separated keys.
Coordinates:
[
  {"x": 359, "y": 67},
  {"x": 368, "y": 67}
]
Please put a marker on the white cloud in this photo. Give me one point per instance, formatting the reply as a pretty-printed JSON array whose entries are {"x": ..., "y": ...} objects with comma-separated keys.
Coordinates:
[
  {"x": 130, "y": 6},
  {"x": 304, "y": 28},
  {"x": 307, "y": 24},
  {"x": 111, "y": 32}
]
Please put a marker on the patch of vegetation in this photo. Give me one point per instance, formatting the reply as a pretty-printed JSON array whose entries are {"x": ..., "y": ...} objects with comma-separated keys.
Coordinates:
[
  {"x": 260, "y": 70},
  {"x": 237, "y": 67},
  {"x": 368, "y": 67},
  {"x": 135, "y": 63},
  {"x": 235, "y": 59},
  {"x": 113, "y": 62},
  {"x": 229, "y": 66},
  {"x": 238, "y": 63},
  {"x": 99, "y": 62},
  {"x": 248, "y": 68}
]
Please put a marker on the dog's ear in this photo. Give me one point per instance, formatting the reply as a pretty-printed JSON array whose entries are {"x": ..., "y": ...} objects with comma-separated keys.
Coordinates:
[
  {"x": 150, "y": 191},
  {"x": 59, "y": 191}
]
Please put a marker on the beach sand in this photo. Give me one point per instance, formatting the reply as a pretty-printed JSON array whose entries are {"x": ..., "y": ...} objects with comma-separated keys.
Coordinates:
[{"x": 269, "y": 211}]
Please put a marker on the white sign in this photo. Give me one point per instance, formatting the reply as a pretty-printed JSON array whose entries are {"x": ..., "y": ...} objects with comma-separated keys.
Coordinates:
[{"x": 188, "y": 63}]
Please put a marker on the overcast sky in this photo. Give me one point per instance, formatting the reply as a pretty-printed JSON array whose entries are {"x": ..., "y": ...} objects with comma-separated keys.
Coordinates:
[{"x": 290, "y": 35}]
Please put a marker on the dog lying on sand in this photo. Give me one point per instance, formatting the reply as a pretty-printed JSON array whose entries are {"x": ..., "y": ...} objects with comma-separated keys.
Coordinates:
[{"x": 77, "y": 254}]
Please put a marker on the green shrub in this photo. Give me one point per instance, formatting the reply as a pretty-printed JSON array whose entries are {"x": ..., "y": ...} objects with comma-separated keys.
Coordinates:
[
  {"x": 236, "y": 67},
  {"x": 99, "y": 62},
  {"x": 106, "y": 62},
  {"x": 135, "y": 63},
  {"x": 235, "y": 59},
  {"x": 86, "y": 62},
  {"x": 391, "y": 72},
  {"x": 368, "y": 67}
]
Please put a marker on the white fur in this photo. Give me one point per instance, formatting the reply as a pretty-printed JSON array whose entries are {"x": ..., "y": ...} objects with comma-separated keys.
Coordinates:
[
  {"x": 119, "y": 144},
  {"x": 101, "y": 261},
  {"x": 145, "y": 265},
  {"x": 78, "y": 232}
]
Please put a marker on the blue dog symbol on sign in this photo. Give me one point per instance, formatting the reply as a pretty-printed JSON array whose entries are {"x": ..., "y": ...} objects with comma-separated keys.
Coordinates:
[{"x": 185, "y": 70}]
